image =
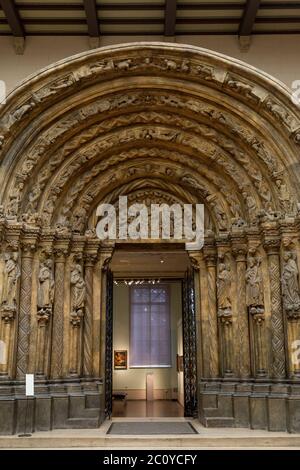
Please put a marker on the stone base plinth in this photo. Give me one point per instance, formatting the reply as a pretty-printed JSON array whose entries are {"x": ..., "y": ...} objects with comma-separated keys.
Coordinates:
[
  {"x": 250, "y": 404},
  {"x": 58, "y": 404}
]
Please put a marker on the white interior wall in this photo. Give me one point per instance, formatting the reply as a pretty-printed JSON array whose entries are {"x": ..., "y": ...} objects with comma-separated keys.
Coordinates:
[
  {"x": 277, "y": 55},
  {"x": 133, "y": 381}
]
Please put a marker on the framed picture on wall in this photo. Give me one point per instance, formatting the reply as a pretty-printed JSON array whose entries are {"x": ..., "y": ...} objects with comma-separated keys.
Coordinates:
[{"x": 120, "y": 359}]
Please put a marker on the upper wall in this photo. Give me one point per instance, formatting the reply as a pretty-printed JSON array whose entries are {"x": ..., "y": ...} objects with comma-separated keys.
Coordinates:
[{"x": 276, "y": 55}]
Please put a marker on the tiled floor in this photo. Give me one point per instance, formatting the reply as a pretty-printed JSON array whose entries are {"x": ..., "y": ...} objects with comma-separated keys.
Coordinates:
[{"x": 147, "y": 409}]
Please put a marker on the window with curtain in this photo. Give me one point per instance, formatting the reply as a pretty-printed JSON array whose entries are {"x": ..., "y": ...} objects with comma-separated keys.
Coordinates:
[{"x": 150, "y": 333}]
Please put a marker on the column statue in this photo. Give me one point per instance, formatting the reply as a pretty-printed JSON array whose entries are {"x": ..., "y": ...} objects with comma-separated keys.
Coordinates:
[
  {"x": 78, "y": 291},
  {"x": 46, "y": 286},
  {"x": 254, "y": 286},
  {"x": 11, "y": 276},
  {"x": 290, "y": 284}
]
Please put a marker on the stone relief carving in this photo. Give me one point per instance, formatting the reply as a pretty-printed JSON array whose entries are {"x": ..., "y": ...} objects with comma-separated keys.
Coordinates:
[
  {"x": 280, "y": 113},
  {"x": 254, "y": 285},
  {"x": 290, "y": 284},
  {"x": 73, "y": 121},
  {"x": 224, "y": 280},
  {"x": 13, "y": 205},
  {"x": 45, "y": 294},
  {"x": 10, "y": 282},
  {"x": 78, "y": 294},
  {"x": 243, "y": 88}
]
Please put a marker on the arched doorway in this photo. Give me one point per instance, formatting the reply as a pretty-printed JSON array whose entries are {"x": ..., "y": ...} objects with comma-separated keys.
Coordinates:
[
  {"x": 162, "y": 271},
  {"x": 165, "y": 122}
]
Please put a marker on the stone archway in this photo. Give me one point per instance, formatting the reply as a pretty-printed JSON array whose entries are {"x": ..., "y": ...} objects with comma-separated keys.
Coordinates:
[{"x": 175, "y": 122}]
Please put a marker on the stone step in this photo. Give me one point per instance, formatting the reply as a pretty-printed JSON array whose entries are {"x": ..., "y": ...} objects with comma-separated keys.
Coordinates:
[
  {"x": 215, "y": 422},
  {"x": 83, "y": 423},
  {"x": 211, "y": 412},
  {"x": 88, "y": 439},
  {"x": 78, "y": 408}
]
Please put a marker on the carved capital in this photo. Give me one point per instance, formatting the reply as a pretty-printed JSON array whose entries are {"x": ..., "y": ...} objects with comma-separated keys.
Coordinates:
[
  {"x": 46, "y": 244},
  {"x": 272, "y": 245},
  {"x": 28, "y": 248},
  {"x": 90, "y": 259},
  {"x": 240, "y": 253},
  {"x": 43, "y": 316},
  {"x": 195, "y": 262},
  {"x": 225, "y": 315},
  {"x": 60, "y": 254},
  {"x": 8, "y": 313},
  {"x": 210, "y": 256}
]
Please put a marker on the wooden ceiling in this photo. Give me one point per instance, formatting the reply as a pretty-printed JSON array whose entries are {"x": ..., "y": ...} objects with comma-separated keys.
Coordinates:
[{"x": 97, "y": 18}]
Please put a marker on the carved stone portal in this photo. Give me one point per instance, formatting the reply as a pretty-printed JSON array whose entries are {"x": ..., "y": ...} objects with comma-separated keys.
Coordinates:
[{"x": 116, "y": 122}]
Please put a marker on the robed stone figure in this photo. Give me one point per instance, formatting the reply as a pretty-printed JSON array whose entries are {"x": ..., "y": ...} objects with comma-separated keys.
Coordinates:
[
  {"x": 78, "y": 291},
  {"x": 11, "y": 276},
  {"x": 254, "y": 285},
  {"x": 46, "y": 285},
  {"x": 290, "y": 283},
  {"x": 224, "y": 290}
]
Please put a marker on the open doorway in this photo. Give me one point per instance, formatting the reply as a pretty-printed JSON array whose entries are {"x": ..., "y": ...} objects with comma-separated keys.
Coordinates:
[{"x": 152, "y": 369}]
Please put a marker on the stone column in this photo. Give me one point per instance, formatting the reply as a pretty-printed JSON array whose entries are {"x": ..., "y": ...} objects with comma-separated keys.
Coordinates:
[
  {"x": 28, "y": 246},
  {"x": 210, "y": 258},
  {"x": 8, "y": 317},
  {"x": 258, "y": 341},
  {"x": 272, "y": 246},
  {"x": 242, "y": 344},
  {"x": 226, "y": 341},
  {"x": 60, "y": 252},
  {"x": 43, "y": 317},
  {"x": 90, "y": 259},
  {"x": 75, "y": 321}
]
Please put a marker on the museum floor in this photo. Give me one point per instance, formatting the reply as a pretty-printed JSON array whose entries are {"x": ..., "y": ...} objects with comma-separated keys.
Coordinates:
[
  {"x": 143, "y": 408},
  {"x": 236, "y": 438}
]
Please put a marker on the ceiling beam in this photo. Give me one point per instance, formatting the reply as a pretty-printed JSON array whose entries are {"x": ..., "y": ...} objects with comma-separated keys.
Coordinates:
[
  {"x": 248, "y": 18},
  {"x": 15, "y": 24},
  {"x": 170, "y": 17},
  {"x": 90, "y": 7},
  {"x": 247, "y": 23},
  {"x": 13, "y": 18}
]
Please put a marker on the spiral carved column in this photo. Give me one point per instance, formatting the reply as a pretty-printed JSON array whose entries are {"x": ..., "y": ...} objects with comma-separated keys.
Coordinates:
[
  {"x": 90, "y": 259},
  {"x": 272, "y": 246},
  {"x": 28, "y": 247},
  {"x": 242, "y": 347},
  {"x": 57, "y": 352},
  {"x": 210, "y": 258}
]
